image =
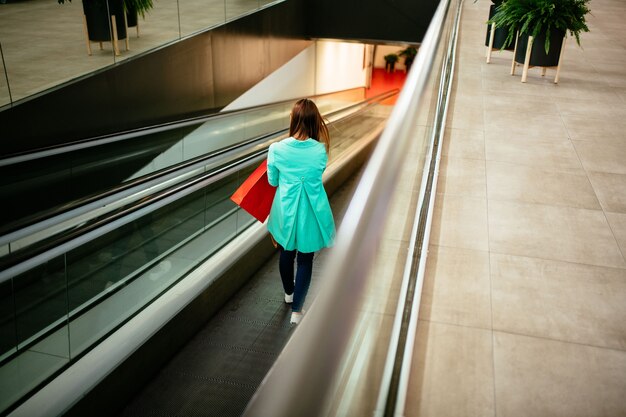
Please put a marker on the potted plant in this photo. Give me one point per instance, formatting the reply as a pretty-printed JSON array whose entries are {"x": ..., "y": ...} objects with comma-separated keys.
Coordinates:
[
  {"x": 134, "y": 8},
  {"x": 390, "y": 62},
  {"x": 499, "y": 35},
  {"x": 547, "y": 21},
  {"x": 409, "y": 56},
  {"x": 99, "y": 15}
]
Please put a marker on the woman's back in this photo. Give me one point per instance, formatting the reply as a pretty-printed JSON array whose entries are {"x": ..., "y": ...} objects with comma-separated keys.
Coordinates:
[
  {"x": 301, "y": 221},
  {"x": 301, "y": 217}
]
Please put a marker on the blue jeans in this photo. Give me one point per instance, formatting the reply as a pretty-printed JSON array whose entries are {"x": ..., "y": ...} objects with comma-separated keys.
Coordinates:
[{"x": 303, "y": 275}]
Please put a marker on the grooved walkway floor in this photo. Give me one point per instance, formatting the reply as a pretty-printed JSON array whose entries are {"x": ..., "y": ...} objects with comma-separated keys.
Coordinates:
[{"x": 218, "y": 371}]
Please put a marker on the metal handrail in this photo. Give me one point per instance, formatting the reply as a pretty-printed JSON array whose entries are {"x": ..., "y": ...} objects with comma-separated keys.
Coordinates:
[
  {"x": 117, "y": 137},
  {"x": 394, "y": 384},
  {"x": 303, "y": 374},
  {"x": 117, "y": 219},
  {"x": 90, "y": 367},
  {"x": 48, "y": 219}
]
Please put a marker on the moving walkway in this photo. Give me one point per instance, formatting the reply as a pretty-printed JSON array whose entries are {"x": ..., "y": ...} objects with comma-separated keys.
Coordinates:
[
  {"x": 353, "y": 349},
  {"x": 131, "y": 226}
]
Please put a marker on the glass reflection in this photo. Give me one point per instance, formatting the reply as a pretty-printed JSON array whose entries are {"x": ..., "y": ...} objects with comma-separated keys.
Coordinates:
[
  {"x": 196, "y": 15},
  {"x": 8, "y": 341},
  {"x": 56, "y": 49},
  {"x": 5, "y": 94},
  {"x": 37, "y": 321},
  {"x": 157, "y": 26},
  {"x": 236, "y": 8}
]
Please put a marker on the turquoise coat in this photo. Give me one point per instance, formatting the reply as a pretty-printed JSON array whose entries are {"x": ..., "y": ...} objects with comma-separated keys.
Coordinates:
[{"x": 300, "y": 217}]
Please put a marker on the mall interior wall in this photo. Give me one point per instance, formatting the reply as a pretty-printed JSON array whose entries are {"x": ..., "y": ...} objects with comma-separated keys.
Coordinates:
[
  {"x": 202, "y": 73},
  {"x": 324, "y": 67},
  {"x": 372, "y": 21}
]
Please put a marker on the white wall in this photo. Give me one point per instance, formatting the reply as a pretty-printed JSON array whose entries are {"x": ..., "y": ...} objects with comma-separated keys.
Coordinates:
[
  {"x": 382, "y": 50},
  {"x": 324, "y": 67},
  {"x": 294, "y": 79},
  {"x": 340, "y": 66}
]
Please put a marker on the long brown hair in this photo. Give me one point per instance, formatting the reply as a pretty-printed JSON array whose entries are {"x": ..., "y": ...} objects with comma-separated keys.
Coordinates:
[{"x": 306, "y": 120}]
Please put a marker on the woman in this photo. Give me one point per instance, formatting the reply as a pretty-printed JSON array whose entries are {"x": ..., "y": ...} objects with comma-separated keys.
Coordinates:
[{"x": 300, "y": 221}]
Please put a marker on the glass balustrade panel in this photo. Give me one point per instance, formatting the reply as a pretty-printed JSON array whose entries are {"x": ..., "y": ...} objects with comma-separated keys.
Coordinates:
[
  {"x": 44, "y": 44},
  {"x": 35, "y": 324},
  {"x": 5, "y": 94},
  {"x": 150, "y": 28},
  {"x": 236, "y": 8},
  {"x": 370, "y": 340},
  {"x": 197, "y": 15}
]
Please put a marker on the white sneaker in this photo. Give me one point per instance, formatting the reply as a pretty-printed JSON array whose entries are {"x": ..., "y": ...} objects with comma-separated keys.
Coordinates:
[
  {"x": 296, "y": 317},
  {"x": 289, "y": 298}
]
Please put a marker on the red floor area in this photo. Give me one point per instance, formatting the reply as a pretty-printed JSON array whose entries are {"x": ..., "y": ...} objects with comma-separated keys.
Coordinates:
[{"x": 383, "y": 81}]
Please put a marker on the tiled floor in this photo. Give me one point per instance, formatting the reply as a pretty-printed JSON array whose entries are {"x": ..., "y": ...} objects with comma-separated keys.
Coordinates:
[{"x": 524, "y": 305}]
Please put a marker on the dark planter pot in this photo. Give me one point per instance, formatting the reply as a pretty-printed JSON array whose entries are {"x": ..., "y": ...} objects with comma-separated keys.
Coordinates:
[
  {"x": 500, "y": 34},
  {"x": 538, "y": 56},
  {"x": 98, "y": 18},
  {"x": 131, "y": 16},
  {"x": 407, "y": 63},
  {"x": 390, "y": 66}
]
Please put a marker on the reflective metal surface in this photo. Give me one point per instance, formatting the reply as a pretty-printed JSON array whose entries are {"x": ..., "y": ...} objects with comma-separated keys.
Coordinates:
[
  {"x": 335, "y": 363},
  {"x": 59, "y": 304},
  {"x": 53, "y": 35}
]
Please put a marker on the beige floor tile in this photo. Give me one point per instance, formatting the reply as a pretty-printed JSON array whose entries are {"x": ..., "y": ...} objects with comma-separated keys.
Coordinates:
[
  {"x": 460, "y": 222},
  {"x": 462, "y": 177},
  {"x": 520, "y": 103},
  {"x": 618, "y": 226},
  {"x": 463, "y": 143},
  {"x": 504, "y": 137},
  {"x": 531, "y": 125},
  {"x": 608, "y": 52},
  {"x": 466, "y": 113},
  {"x": 550, "y": 232},
  {"x": 592, "y": 130},
  {"x": 405, "y": 197},
  {"x": 605, "y": 110},
  {"x": 524, "y": 184},
  {"x": 535, "y": 77},
  {"x": 504, "y": 83},
  {"x": 468, "y": 85},
  {"x": 611, "y": 190},
  {"x": 556, "y": 154},
  {"x": 558, "y": 300},
  {"x": 497, "y": 68},
  {"x": 468, "y": 65},
  {"x": 591, "y": 88},
  {"x": 387, "y": 274},
  {"x": 359, "y": 391},
  {"x": 451, "y": 373},
  {"x": 456, "y": 287},
  {"x": 602, "y": 157},
  {"x": 610, "y": 70},
  {"x": 398, "y": 226},
  {"x": 538, "y": 377},
  {"x": 621, "y": 92}
]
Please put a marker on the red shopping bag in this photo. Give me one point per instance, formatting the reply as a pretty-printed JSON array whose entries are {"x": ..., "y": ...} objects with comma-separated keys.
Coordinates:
[{"x": 256, "y": 194}]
